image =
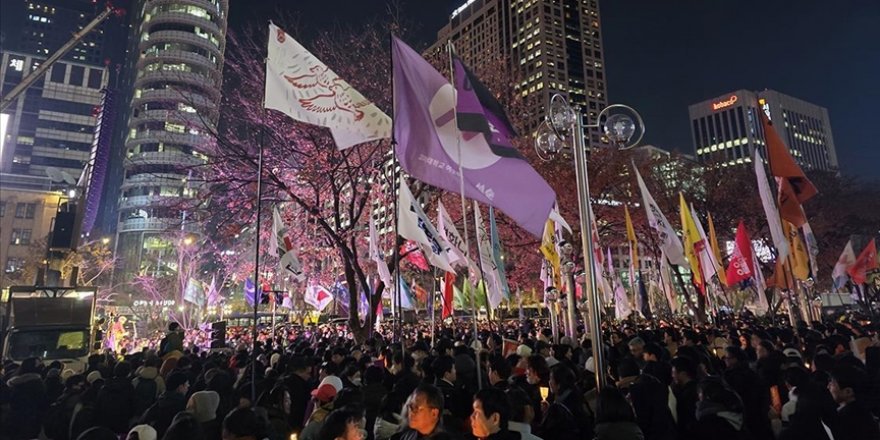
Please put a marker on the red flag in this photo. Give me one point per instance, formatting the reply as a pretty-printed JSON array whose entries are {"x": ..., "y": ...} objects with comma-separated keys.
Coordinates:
[
  {"x": 866, "y": 261},
  {"x": 448, "y": 293},
  {"x": 414, "y": 255},
  {"x": 740, "y": 267},
  {"x": 783, "y": 165},
  {"x": 789, "y": 206}
]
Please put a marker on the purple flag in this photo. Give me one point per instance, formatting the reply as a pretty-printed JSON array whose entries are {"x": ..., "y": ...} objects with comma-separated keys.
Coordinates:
[
  {"x": 428, "y": 141},
  {"x": 250, "y": 292}
]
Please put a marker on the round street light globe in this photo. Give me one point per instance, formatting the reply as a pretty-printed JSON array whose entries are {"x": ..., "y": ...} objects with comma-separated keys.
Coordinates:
[{"x": 619, "y": 128}]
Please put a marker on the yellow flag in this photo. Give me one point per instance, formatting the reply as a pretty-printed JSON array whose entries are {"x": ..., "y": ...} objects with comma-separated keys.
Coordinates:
[
  {"x": 631, "y": 237},
  {"x": 800, "y": 259},
  {"x": 691, "y": 238},
  {"x": 713, "y": 241},
  {"x": 548, "y": 248}
]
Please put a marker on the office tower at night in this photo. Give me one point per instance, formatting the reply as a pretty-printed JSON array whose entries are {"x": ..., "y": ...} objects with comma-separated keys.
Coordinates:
[
  {"x": 175, "y": 69},
  {"x": 726, "y": 129},
  {"x": 551, "y": 46}
]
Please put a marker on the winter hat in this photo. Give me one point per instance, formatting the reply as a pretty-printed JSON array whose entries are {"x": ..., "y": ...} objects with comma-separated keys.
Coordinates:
[
  {"x": 142, "y": 432},
  {"x": 93, "y": 377},
  {"x": 324, "y": 393},
  {"x": 66, "y": 374},
  {"x": 273, "y": 360},
  {"x": 791, "y": 352},
  {"x": 523, "y": 351},
  {"x": 175, "y": 380},
  {"x": 334, "y": 381},
  {"x": 203, "y": 405}
]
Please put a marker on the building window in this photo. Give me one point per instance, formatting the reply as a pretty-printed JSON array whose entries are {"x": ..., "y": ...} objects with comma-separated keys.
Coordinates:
[
  {"x": 25, "y": 210},
  {"x": 14, "y": 264},
  {"x": 77, "y": 74},
  {"x": 95, "y": 77},
  {"x": 21, "y": 237},
  {"x": 58, "y": 71}
]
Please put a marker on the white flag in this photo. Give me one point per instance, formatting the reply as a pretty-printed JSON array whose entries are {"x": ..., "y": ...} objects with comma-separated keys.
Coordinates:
[
  {"x": 458, "y": 250},
  {"x": 812, "y": 248},
  {"x": 378, "y": 257},
  {"x": 302, "y": 87},
  {"x": 666, "y": 281},
  {"x": 414, "y": 225},
  {"x": 669, "y": 242},
  {"x": 760, "y": 285},
  {"x": 490, "y": 270},
  {"x": 779, "y": 238},
  {"x": 708, "y": 263},
  {"x": 559, "y": 220},
  {"x": 318, "y": 297},
  {"x": 282, "y": 246},
  {"x": 846, "y": 260}
]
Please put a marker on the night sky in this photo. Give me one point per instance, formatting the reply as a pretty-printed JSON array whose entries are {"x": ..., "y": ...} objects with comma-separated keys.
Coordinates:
[{"x": 662, "y": 56}]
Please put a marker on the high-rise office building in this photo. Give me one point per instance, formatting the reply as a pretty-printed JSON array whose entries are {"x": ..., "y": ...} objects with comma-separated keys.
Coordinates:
[
  {"x": 177, "y": 67},
  {"x": 51, "y": 124},
  {"x": 39, "y": 27},
  {"x": 726, "y": 129},
  {"x": 551, "y": 46}
]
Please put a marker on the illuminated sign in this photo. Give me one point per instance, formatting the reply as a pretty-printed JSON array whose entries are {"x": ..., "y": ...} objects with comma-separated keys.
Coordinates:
[
  {"x": 723, "y": 104},
  {"x": 765, "y": 107},
  {"x": 461, "y": 8}
]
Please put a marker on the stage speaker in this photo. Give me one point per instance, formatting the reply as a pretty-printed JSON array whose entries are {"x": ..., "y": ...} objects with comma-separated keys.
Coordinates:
[{"x": 62, "y": 231}]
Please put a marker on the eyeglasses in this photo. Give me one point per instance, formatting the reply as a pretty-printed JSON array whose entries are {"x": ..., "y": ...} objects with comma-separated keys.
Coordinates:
[{"x": 413, "y": 408}]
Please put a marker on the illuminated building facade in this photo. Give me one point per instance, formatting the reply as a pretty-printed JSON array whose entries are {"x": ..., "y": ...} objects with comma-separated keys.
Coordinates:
[
  {"x": 726, "y": 129},
  {"x": 174, "y": 67},
  {"x": 551, "y": 46}
]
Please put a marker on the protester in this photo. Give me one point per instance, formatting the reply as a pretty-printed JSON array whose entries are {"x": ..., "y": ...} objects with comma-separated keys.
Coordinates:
[{"x": 614, "y": 417}]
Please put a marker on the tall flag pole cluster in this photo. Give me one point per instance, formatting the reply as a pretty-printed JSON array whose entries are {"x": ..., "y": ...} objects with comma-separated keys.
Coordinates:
[{"x": 457, "y": 137}]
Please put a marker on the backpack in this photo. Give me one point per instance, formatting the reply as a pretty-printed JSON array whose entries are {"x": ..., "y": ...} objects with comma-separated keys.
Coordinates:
[{"x": 145, "y": 394}]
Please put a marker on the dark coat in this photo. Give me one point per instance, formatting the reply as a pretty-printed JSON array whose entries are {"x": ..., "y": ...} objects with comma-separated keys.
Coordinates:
[
  {"x": 854, "y": 421},
  {"x": 686, "y": 405},
  {"x": 715, "y": 428},
  {"x": 28, "y": 404},
  {"x": 160, "y": 415},
  {"x": 300, "y": 393},
  {"x": 618, "y": 431},
  {"x": 755, "y": 395},
  {"x": 115, "y": 406}
]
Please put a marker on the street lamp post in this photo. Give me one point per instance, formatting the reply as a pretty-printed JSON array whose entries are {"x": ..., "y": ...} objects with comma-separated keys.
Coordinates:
[{"x": 564, "y": 124}]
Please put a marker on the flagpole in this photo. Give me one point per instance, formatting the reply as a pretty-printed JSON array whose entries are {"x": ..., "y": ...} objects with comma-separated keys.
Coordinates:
[
  {"x": 449, "y": 50},
  {"x": 257, "y": 286},
  {"x": 790, "y": 272}
]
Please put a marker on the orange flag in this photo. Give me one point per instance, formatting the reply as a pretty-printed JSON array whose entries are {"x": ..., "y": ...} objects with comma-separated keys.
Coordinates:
[
  {"x": 866, "y": 261},
  {"x": 789, "y": 207},
  {"x": 783, "y": 165}
]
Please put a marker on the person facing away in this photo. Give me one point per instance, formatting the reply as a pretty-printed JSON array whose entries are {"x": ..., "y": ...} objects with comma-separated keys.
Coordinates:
[
  {"x": 171, "y": 402},
  {"x": 522, "y": 414},
  {"x": 491, "y": 416},
  {"x": 614, "y": 417},
  {"x": 343, "y": 424}
]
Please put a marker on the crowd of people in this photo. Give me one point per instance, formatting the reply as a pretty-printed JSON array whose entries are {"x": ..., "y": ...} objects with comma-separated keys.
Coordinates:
[{"x": 736, "y": 379}]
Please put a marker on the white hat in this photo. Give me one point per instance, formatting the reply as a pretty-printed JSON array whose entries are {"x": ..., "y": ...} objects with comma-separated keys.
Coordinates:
[
  {"x": 590, "y": 365},
  {"x": 334, "y": 381},
  {"x": 552, "y": 361},
  {"x": 142, "y": 432},
  {"x": 524, "y": 351},
  {"x": 273, "y": 360},
  {"x": 94, "y": 376}
]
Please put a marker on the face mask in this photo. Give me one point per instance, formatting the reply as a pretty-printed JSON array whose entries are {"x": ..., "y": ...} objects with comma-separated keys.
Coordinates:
[{"x": 356, "y": 381}]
